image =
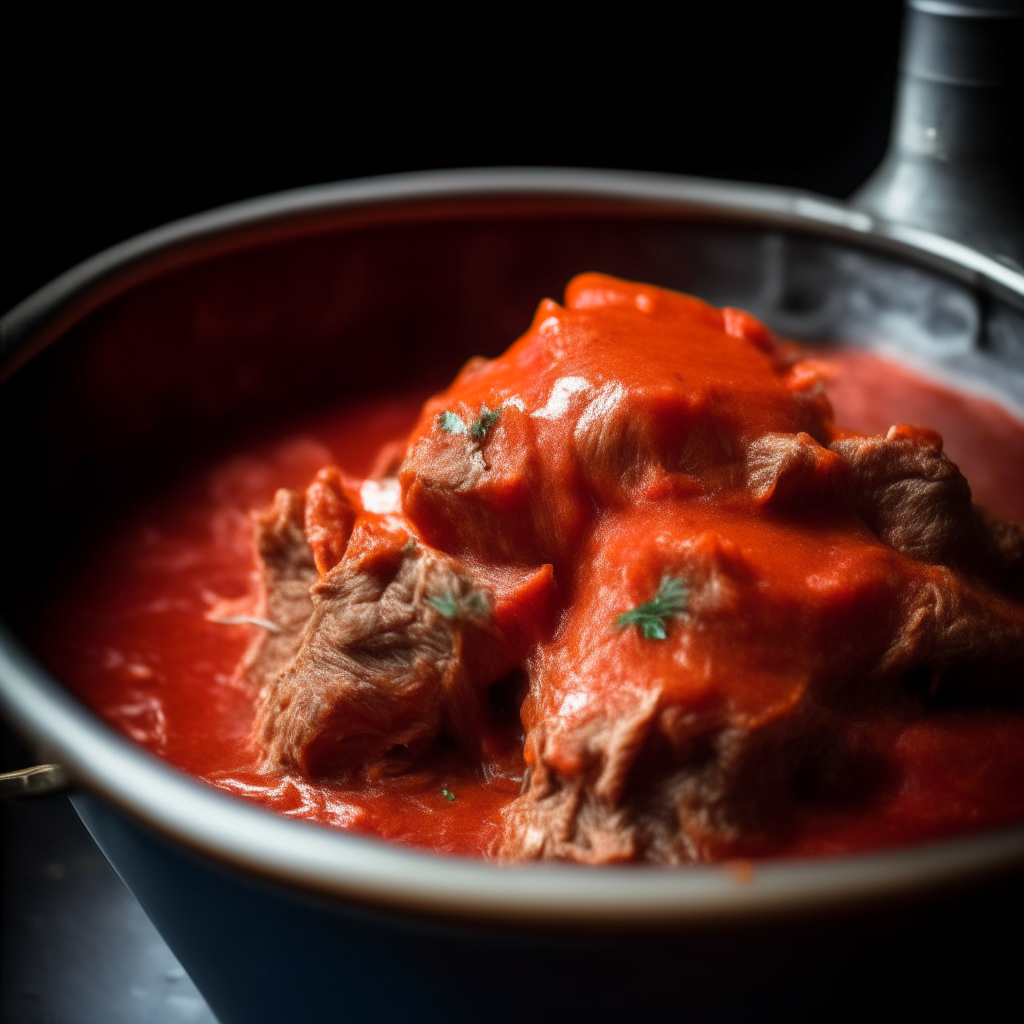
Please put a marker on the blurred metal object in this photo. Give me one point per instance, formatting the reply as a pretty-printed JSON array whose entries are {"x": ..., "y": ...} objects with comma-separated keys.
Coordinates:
[
  {"x": 955, "y": 164},
  {"x": 39, "y": 780}
]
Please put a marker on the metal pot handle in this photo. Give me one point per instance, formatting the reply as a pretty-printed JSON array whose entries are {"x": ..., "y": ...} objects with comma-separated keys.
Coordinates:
[{"x": 955, "y": 163}]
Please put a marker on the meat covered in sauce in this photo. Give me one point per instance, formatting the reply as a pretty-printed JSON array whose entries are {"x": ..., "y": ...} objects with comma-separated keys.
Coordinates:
[{"x": 643, "y": 522}]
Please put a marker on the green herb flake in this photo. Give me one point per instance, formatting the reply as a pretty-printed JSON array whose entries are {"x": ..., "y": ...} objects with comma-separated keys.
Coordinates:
[
  {"x": 448, "y": 795},
  {"x": 452, "y": 423},
  {"x": 447, "y": 604},
  {"x": 473, "y": 605},
  {"x": 670, "y": 600},
  {"x": 484, "y": 422}
]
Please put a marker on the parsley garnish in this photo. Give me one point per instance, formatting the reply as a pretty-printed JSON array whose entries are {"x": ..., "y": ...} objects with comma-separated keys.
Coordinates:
[
  {"x": 448, "y": 795},
  {"x": 446, "y": 604},
  {"x": 484, "y": 422},
  {"x": 453, "y": 423},
  {"x": 670, "y": 600},
  {"x": 474, "y": 605}
]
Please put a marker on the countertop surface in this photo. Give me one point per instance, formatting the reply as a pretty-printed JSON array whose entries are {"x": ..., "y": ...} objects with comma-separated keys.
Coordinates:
[{"x": 77, "y": 948}]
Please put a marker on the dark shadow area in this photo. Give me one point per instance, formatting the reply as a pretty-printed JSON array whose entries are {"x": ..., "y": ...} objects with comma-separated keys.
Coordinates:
[{"x": 77, "y": 948}]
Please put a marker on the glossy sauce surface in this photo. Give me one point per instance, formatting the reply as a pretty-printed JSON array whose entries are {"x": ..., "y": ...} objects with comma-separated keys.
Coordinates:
[{"x": 128, "y": 631}]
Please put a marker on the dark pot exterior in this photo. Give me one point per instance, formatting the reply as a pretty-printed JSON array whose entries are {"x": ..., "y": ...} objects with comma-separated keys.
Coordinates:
[{"x": 261, "y": 953}]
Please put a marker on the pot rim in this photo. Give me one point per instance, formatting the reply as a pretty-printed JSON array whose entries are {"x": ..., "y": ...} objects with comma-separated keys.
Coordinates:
[{"x": 372, "y": 872}]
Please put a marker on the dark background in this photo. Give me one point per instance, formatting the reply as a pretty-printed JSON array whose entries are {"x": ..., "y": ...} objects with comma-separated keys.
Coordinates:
[{"x": 110, "y": 132}]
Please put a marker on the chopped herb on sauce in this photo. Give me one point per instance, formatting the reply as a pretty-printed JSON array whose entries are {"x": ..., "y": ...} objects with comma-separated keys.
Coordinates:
[
  {"x": 452, "y": 423},
  {"x": 669, "y": 601},
  {"x": 446, "y": 604},
  {"x": 474, "y": 605},
  {"x": 484, "y": 422},
  {"x": 448, "y": 795}
]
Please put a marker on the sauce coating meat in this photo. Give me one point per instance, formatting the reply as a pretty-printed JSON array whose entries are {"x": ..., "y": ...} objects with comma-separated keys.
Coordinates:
[
  {"x": 644, "y": 505},
  {"x": 631, "y": 595}
]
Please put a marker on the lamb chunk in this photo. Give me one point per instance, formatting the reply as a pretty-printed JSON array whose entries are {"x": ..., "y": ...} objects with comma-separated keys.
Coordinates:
[
  {"x": 914, "y": 499},
  {"x": 476, "y": 495},
  {"x": 905, "y": 489},
  {"x": 656, "y": 782},
  {"x": 626, "y": 440},
  {"x": 579, "y": 816},
  {"x": 377, "y": 663},
  {"x": 287, "y": 571},
  {"x": 646, "y": 749},
  {"x": 784, "y": 470},
  {"x": 401, "y": 646},
  {"x": 587, "y": 418},
  {"x": 670, "y": 783},
  {"x": 959, "y": 639}
]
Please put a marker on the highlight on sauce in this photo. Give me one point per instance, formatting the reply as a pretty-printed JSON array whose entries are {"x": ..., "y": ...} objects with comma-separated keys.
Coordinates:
[{"x": 630, "y": 592}]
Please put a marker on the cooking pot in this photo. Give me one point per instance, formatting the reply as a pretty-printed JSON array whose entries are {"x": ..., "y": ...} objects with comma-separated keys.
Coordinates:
[{"x": 119, "y": 368}]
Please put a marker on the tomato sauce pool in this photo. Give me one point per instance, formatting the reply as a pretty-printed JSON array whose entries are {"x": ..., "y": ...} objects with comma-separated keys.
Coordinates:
[{"x": 129, "y": 632}]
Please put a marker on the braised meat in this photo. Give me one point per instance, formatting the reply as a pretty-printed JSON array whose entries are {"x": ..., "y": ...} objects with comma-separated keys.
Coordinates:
[{"x": 713, "y": 592}]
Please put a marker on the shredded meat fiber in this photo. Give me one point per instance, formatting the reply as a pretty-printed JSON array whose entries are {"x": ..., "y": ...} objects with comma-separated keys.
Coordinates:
[{"x": 645, "y": 507}]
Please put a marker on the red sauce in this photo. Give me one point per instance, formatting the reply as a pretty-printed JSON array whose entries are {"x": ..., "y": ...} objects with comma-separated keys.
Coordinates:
[{"x": 128, "y": 634}]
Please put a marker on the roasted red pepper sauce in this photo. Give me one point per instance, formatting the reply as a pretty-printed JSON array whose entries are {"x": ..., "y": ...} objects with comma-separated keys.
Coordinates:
[{"x": 127, "y": 631}]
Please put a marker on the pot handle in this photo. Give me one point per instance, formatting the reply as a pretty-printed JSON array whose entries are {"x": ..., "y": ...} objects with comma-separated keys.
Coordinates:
[
  {"x": 40, "y": 780},
  {"x": 955, "y": 162}
]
